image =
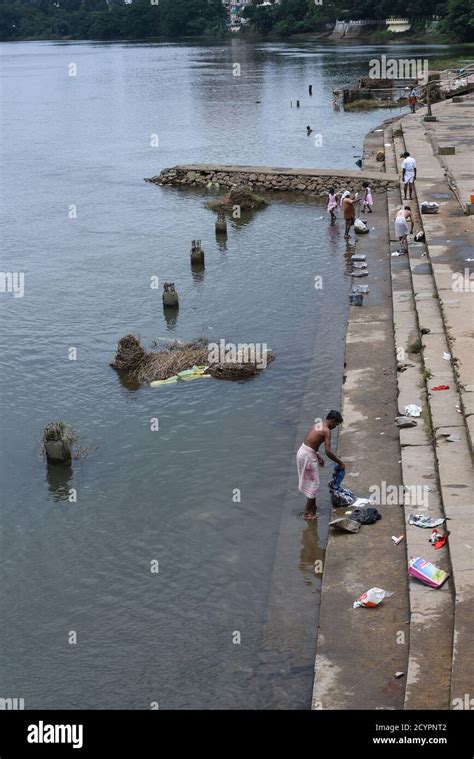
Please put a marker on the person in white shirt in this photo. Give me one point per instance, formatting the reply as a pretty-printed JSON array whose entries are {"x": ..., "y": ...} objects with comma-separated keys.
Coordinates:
[
  {"x": 408, "y": 174},
  {"x": 402, "y": 218}
]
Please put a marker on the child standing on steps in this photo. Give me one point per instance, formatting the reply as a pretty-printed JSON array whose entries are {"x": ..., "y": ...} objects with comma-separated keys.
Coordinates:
[
  {"x": 333, "y": 202},
  {"x": 368, "y": 200}
]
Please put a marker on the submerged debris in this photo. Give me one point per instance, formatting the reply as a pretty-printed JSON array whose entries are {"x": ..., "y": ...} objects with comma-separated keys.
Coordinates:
[
  {"x": 175, "y": 357},
  {"x": 241, "y": 196}
]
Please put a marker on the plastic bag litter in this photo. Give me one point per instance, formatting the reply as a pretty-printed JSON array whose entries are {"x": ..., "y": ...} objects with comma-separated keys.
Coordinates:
[
  {"x": 346, "y": 524},
  {"x": 360, "y": 227},
  {"x": 447, "y": 356},
  {"x": 371, "y": 598},
  {"x": 438, "y": 539},
  {"x": 405, "y": 421},
  {"x": 361, "y": 502},
  {"x": 366, "y": 514},
  {"x": 412, "y": 410},
  {"x": 419, "y": 236},
  {"x": 419, "y": 520},
  {"x": 429, "y": 207}
]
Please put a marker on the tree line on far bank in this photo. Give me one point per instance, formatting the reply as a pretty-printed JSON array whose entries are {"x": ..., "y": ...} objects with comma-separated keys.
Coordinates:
[{"x": 142, "y": 19}]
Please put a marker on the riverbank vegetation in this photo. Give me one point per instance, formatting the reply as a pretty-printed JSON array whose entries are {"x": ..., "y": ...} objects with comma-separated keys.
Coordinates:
[
  {"x": 110, "y": 19},
  {"x": 173, "y": 19},
  {"x": 456, "y": 22}
]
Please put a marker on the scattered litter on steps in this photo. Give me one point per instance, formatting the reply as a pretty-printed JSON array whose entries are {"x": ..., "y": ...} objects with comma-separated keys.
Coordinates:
[
  {"x": 419, "y": 520},
  {"x": 358, "y": 257},
  {"x": 399, "y": 253},
  {"x": 359, "y": 265},
  {"x": 402, "y": 367},
  {"x": 426, "y": 207},
  {"x": 412, "y": 410},
  {"x": 447, "y": 356},
  {"x": 364, "y": 289},
  {"x": 441, "y": 387},
  {"x": 398, "y": 675},
  {"x": 356, "y": 299},
  {"x": 451, "y": 437},
  {"x": 426, "y": 572},
  {"x": 397, "y": 540},
  {"x": 360, "y": 227},
  {"x": 345, "y": 524},
  {"x": 405, "y": 421},
  {"x": 371, "y": 598},
  {"x": 340, "y": 497},
  {"x": 366, "y": 514},
  {"x": 438, "y": 539},
  {"x": 360, "y": 502}
]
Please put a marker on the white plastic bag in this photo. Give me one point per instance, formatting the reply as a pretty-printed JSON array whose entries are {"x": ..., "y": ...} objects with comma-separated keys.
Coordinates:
[
  {"x": 412, "y": 410},
  {"x": 371, "y": 598}
]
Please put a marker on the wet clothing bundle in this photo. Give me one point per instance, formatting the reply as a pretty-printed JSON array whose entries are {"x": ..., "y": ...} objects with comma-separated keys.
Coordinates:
[{"x": 340, "y": 496}]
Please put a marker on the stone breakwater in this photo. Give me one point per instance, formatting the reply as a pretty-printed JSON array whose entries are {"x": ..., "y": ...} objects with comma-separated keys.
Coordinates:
[{"x": 269, "y": 179}]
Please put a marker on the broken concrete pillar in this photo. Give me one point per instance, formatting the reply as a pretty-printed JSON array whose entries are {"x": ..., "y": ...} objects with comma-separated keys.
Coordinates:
[
  {"x": 57, "y": 442},
  {"x": 221, "y": 224},
  {"x": 58, "y": 451},
  {"x": 170, "y": 296},
  {"x": 197, "y": 254}
]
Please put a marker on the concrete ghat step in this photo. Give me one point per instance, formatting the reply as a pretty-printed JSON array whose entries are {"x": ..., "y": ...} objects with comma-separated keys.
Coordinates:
[
  {"x": 453, "y": 461},
  {"x": 431, "y": 611}
]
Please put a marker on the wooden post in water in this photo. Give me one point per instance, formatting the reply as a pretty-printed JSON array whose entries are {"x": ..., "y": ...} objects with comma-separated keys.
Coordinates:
[
  {"x": 310, "y": 89},
  {"x": 297, "y": 103}
]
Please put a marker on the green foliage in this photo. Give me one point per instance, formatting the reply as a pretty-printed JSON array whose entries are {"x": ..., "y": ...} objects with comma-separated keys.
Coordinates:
[
  {"x": 141, "y": 19},
  {"x": 110, "y": 19},
  {"x": 459, "y": 21}
]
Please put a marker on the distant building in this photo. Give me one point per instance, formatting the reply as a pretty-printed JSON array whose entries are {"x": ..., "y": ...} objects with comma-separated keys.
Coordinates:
[{"x": 235, "y": 9}]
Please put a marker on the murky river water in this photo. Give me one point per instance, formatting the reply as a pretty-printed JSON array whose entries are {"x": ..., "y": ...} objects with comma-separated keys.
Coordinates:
[{"x": 224, "y": 567}]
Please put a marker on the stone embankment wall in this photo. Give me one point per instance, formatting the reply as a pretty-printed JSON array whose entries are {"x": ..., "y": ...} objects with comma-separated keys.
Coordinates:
[{"x": 266, "y": 179}]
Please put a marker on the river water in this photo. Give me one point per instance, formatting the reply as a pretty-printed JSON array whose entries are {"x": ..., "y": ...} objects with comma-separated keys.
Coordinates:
[{"x": 229, "y": 621}]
